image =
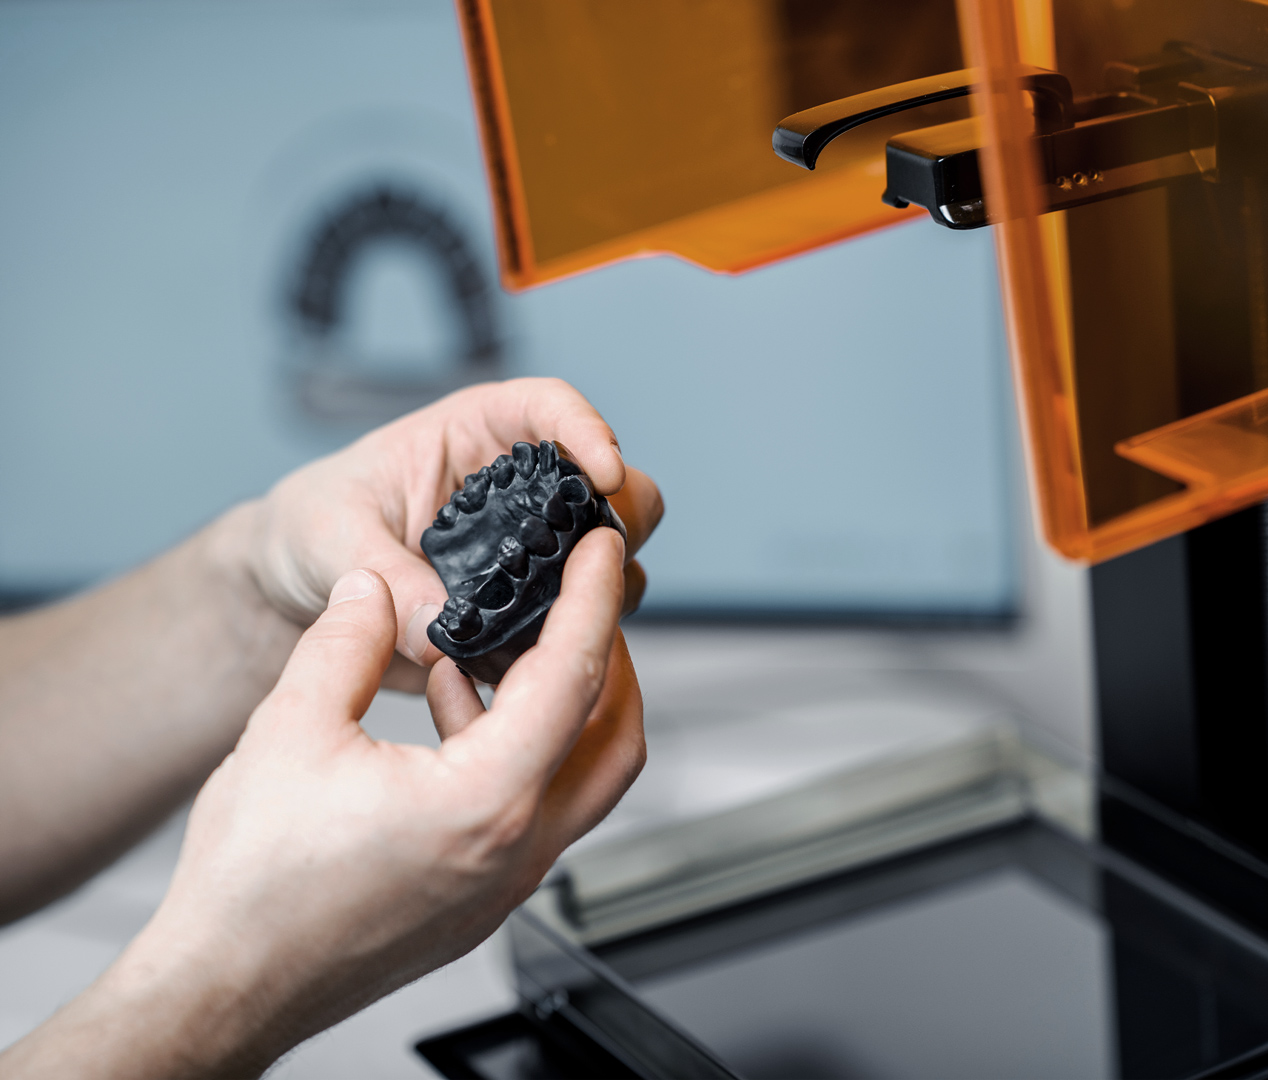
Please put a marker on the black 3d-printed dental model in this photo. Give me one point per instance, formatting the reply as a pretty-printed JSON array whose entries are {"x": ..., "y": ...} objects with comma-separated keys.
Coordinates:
[{"x": 499, "y": 545}]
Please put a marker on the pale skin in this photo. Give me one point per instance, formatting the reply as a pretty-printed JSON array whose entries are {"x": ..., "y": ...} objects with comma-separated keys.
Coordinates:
[{"x": 321, "y": 869}]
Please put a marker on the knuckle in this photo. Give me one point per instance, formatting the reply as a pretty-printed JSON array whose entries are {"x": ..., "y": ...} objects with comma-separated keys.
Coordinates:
[
  {"x": 657, "y": 510},
  {"x": 589, "y": 672},
  {"x": 634, "y": 763},
  {"x": 637, "y": 756},
  {"x": 504, "y": 823}
]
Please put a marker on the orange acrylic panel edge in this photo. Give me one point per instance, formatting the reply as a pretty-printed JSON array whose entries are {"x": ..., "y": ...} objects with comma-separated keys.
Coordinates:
[
  {"x": 488, "y": 91},
  {"x": 1220, "y": 455},
  {"x": 744, "y": 234},
  {"x": 1036, "y": 329}
]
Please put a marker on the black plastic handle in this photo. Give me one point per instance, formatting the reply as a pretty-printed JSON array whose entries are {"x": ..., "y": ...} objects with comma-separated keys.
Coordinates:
[{"x": 800, "y": 138}]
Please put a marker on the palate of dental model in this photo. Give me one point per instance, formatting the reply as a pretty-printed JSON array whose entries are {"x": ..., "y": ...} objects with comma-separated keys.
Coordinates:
[{"x": 499, "y": 545}]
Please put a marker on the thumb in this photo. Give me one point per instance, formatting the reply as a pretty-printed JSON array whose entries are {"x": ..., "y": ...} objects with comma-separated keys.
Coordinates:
[{"x": 335, "y": 670}]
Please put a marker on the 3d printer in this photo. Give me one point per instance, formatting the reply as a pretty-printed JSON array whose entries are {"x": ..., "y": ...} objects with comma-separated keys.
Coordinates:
[{"x": 1120, "y": 150}]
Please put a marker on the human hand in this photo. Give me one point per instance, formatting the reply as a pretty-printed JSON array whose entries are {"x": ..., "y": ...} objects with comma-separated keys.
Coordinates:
[
  {"x": 367, "y": 506},
  {"x": 322, "y": 869}
]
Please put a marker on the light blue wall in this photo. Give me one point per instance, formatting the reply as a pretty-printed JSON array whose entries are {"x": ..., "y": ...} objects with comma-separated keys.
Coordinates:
[{"x": 832, "y": 432}]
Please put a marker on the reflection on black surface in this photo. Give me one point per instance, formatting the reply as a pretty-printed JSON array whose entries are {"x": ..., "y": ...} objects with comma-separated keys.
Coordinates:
[
  {"x": 1016, "y": 954},
  {"x": 792, "y": 1055},
  {"x": 1186, "y": 998},
  {"x": 516, "y": 1059},
  {"x": 520, "y": 1046},
  {"x": 996, "y": 976}
]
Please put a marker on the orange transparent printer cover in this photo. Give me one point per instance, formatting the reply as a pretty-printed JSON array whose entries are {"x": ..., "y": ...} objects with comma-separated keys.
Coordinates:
[
  {"x": 643, "y": 127},
  {"x": 1139, "y": 314},
  {"x": 1132, "y": 230}
]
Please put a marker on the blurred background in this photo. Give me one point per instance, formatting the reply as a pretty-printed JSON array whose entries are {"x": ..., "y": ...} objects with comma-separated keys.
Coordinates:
[
  {"x": 238, "y": 234},
  {"x": 235, "y": 235}
]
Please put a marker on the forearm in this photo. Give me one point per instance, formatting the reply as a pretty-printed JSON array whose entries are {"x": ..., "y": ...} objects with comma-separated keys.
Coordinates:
[
  {"x": 160, "y": 1011},
  {"x": 115, "y": 706}
]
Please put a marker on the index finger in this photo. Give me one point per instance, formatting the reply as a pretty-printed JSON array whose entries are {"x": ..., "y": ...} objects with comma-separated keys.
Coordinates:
[{"x": 542, "y": 704}]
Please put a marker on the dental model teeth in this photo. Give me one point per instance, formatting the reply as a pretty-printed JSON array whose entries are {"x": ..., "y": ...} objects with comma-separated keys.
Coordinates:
[{"x": 499, "y": 545}]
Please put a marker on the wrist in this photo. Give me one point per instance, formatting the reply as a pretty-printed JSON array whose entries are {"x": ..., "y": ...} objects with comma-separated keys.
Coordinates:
[
  {"x": 169, "y": 1006},
  {"x": 203, "y": 1005},
  {"x": 228, "y": 551}
]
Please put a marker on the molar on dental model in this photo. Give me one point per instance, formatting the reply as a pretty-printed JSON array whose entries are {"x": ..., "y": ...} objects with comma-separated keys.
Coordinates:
[{"x": 499, "y": 545}]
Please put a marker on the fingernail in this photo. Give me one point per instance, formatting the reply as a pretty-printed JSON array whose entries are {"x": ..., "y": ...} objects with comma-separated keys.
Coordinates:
[
  {"x": 416, "y": 639},
  {"x": 617, "y": 447},
  {"x": 354, "y": 585}
]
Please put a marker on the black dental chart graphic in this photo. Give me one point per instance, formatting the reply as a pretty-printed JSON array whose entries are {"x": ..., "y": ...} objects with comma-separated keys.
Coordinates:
[{"x": 334, "y": 379}]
